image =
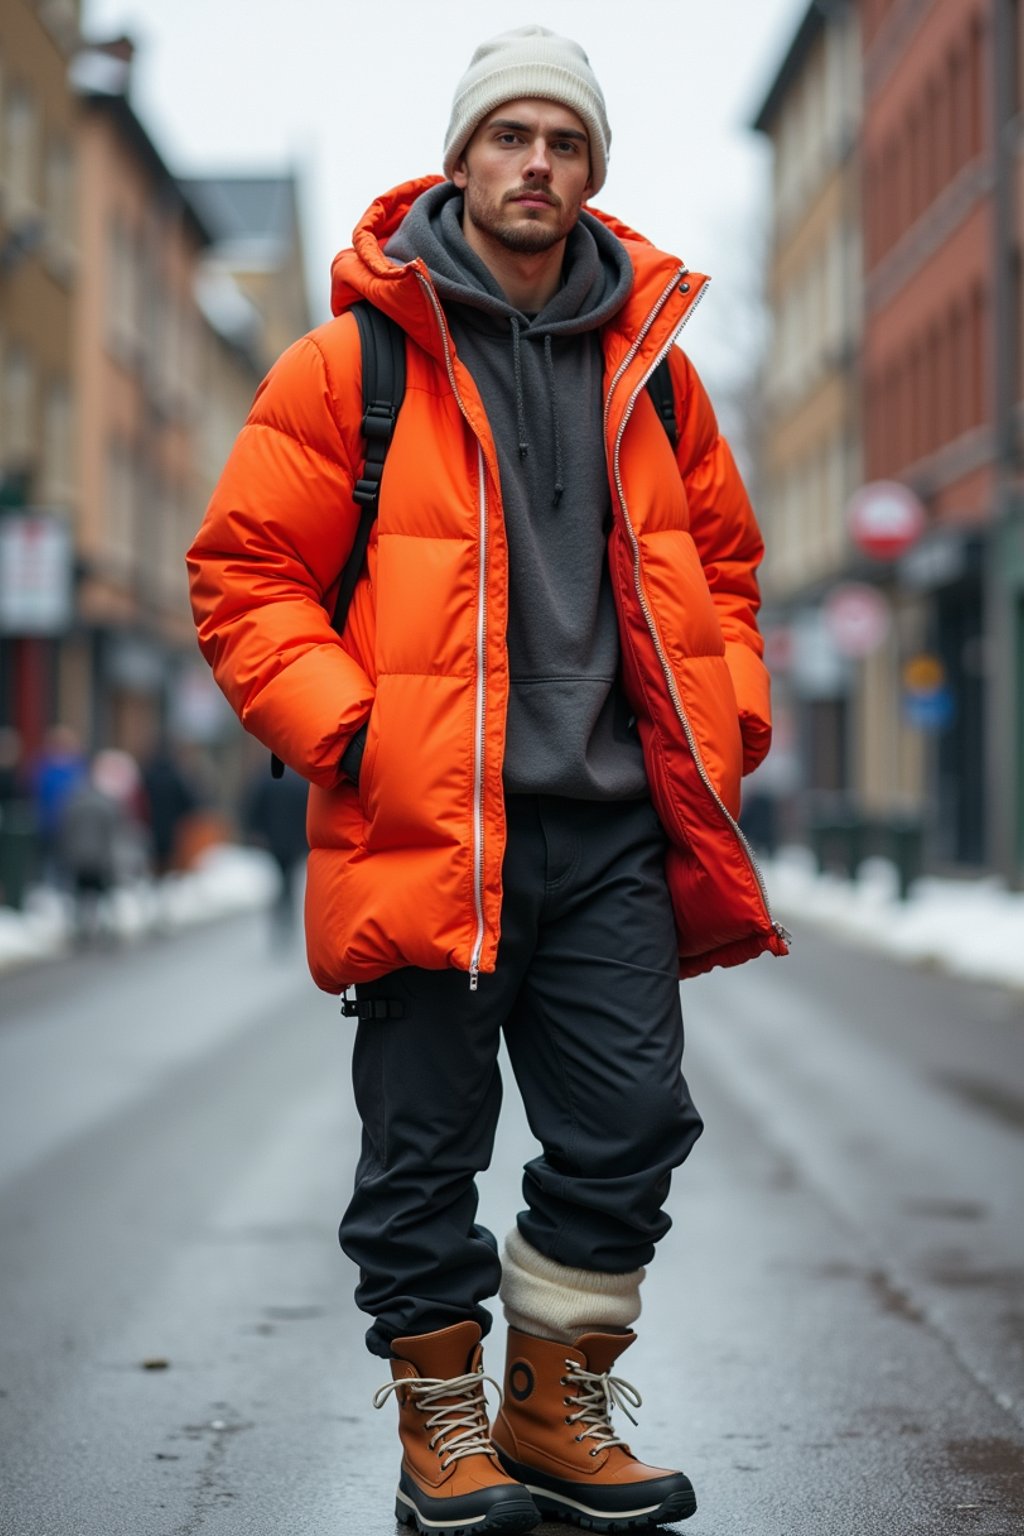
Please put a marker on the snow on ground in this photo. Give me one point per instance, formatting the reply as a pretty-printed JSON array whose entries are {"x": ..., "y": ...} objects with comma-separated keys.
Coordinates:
[
  {"x": 972, "y": 928},
  {"x": 226, "y": 879}
]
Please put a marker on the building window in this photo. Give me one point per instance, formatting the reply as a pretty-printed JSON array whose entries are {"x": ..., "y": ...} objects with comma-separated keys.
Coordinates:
[
  {"x": 124, "y": 292},
  {"x": 899, "y": 411},
  {"x": 58, "y": 475},
  {"x": 18, "y": 407},
  {"x": 60, "y": 193},
  {"x": 115, "y": 284},
  {"x": 934, "y": 404},
  {"x": 871, "y": 418},
  {"x": 1018, "y": 318},
  {"x": 893, "y": 193},
  {"x": 935, "y": 169},
  {"x": 917, "y": 167},
  {"x": 120, "y": 501},
  {"x": 890, "y": 424},
  {"x": 60, "y": 18},
  {"x": 21, "y": 152},
  {"x": 870, "y": 198},
  {"x": 1017, "y": 44},
  {"x": 960, "y": 406},
  {"x": 978, "y": 352},
  {"x": 916, "y": 423},
  {"x": 976, "y": 85}
]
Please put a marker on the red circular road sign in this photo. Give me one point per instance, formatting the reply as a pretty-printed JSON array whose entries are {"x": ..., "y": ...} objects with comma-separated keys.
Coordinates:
[
  {"x": 857, "y": 617},
  {"x": 885, "y": 519}
]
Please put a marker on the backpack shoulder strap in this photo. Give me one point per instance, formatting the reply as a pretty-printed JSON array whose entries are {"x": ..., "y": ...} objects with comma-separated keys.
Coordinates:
[
  {"x": 383, "y": 349},
  {"x": 382, "y": 343},
  {"x": 659, "y": 387}
]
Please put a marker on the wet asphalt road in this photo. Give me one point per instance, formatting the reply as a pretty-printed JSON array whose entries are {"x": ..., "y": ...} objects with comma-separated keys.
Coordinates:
[{"x": 833, "y": 1334}]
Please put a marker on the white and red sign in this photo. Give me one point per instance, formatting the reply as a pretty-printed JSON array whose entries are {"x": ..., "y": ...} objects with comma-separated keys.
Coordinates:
[
  {"x": 35, "y": 574},
  {"x": 885, "y": 519},
  {"x": 857, "y": 617}
]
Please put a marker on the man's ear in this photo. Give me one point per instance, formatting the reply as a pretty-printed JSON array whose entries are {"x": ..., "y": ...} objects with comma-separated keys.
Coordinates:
[{"x": 460, "y": 175}]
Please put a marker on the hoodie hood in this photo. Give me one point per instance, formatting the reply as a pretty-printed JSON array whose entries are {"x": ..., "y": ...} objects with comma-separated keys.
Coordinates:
[
  {"x": 597, "y": 273},
  {"x": 596, "y": 278}
]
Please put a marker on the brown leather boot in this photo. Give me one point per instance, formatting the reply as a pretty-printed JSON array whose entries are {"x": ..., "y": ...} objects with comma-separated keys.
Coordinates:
[
  {"x": 554, "y": 1434},
  {"x": 451, "y": 1479}
]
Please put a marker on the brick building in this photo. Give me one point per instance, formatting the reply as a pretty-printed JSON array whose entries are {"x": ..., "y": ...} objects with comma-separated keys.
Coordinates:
[
  {"x": 939, "y": 366},
  {"x": 938, "y": 317},
  {"x": 140, "y": 397},
  {"x": 38, "y": 265}
]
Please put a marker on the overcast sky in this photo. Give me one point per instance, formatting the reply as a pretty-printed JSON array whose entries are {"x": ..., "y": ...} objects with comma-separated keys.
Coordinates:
[{"x": 356, "y": 98}]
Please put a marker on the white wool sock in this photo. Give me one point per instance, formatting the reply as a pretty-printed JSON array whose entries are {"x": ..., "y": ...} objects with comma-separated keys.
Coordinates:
[{"x": 556, "y": 1302}]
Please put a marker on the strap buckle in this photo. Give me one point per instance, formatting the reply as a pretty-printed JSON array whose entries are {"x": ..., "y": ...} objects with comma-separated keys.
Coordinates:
[
  {"x": 376, "y": 1008},
  {"x": 379, "y": 420}
]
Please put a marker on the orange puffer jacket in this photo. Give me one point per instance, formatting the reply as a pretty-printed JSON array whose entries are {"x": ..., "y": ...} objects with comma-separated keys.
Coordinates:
[{"x": 406, "y": 869}]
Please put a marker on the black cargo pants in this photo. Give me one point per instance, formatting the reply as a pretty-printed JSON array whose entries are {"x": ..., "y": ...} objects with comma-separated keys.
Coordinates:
[{"x": 587, "y": 996}]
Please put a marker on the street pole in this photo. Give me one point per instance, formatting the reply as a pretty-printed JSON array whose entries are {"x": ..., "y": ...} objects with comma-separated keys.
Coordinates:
[{"x": 1004, "y": 598}]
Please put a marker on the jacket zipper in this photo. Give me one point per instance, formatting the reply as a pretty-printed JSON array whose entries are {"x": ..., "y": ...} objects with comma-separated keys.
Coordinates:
[
  {"x": 478, "y": 765},
  {"x": 642, "y": 596},
  {"x": 481, "y": 646}
]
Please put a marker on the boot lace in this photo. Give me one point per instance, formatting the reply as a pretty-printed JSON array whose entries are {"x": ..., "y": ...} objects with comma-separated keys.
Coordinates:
[
  {"x": 458, "y": 1412},
  {"x": 597, "y": 1394}
]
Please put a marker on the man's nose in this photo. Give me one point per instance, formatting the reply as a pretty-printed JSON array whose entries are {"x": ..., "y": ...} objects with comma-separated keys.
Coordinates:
[{"x": 539, "y": 161}]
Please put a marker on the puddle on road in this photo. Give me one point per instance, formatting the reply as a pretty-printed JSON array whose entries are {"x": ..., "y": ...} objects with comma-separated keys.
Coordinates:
[
  {"x": 984, "y": 1476},
  {"x": 998, "y": 1102},
  {"x": 890, "y": 1297},
  {"x": 947, "y": 1210},
  {"x": 958, "y": 1269}
]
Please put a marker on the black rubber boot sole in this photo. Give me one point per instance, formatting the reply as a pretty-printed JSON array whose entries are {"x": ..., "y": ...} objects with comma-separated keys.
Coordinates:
[
  {"x": 665, "y": 1500},
  {"x": 470, "y": 1515}
]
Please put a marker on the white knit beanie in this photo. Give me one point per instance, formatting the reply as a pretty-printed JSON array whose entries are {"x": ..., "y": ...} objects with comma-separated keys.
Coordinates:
[{"x": 529, "y": 61}]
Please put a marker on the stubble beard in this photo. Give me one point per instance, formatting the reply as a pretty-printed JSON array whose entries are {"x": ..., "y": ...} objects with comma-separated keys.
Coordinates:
[{"x": 524, "y": 237}]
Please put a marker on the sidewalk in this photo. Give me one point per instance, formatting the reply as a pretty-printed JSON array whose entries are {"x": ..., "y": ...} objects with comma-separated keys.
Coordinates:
[
  {"x": 228, "y": 879},
  {"x": 971, "y": 928}
]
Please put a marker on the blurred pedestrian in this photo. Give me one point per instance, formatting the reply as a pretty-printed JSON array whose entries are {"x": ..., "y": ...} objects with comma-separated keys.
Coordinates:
[
  {"x": 89, "y": 828},
  {"x": 117, "y": 773},
  {"x": 171, "y": 796},
  {"x": 59, "y": 768},
  {"x": 18, "y": 841},
  {"x": 525, "y": 750},
  {"x": 12, "y": 786},
  {"x": 274, "y": 814}
]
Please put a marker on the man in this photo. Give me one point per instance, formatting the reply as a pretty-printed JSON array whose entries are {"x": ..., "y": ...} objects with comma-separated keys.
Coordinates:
[{"x": 525, "y": 752}]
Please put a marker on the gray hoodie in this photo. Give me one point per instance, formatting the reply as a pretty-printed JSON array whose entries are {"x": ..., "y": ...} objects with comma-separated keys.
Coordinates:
[{"x": 540, "y": 378}]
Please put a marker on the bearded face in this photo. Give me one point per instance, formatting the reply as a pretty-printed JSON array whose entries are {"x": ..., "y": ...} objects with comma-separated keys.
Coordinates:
[{"x": 525, "y": 175}]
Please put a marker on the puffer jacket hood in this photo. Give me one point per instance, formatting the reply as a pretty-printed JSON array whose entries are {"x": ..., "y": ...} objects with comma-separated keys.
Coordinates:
[
  {"x": 597, "y": 274},
  {"x": 406, "y": 868},
  {"x": 364, "y": 270}
]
